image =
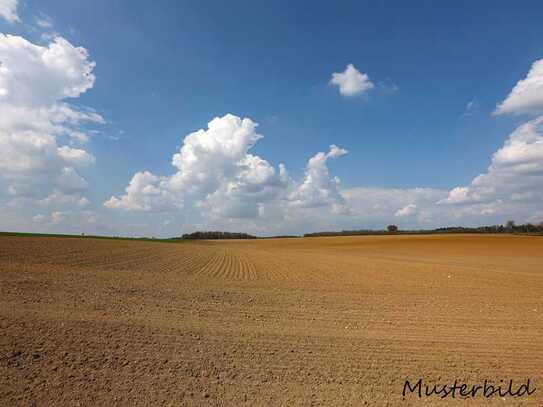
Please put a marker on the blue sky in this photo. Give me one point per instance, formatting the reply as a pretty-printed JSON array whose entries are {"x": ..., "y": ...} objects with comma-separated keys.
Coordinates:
[{"x": 164, "y": 70}]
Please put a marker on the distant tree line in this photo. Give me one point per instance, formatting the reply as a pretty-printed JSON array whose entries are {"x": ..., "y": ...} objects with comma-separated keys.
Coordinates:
[
  {"x": 509, "y": 227},
  {"x": 217, "y": 235}
]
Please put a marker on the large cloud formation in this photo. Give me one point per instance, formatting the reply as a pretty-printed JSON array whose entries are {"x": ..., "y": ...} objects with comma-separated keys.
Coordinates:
[
  {"x": 213, "y": 165},
  {"x": 218, "y": 176},
  {"x": 35, "y": 164}
]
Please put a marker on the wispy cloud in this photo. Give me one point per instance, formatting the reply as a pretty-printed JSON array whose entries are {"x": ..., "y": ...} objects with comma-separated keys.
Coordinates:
[{"x": 8, "y": 11}]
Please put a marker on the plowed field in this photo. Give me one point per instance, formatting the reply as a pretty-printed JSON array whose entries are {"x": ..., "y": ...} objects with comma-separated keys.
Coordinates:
[{"x": 315, "y": 321}]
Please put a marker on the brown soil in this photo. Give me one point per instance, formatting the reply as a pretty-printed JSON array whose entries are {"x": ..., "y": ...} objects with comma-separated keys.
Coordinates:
[{"x": 319, "y": 321}]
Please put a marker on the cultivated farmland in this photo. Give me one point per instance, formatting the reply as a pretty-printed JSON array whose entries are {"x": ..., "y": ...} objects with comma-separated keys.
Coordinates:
[{"x": 313, "y": 321}]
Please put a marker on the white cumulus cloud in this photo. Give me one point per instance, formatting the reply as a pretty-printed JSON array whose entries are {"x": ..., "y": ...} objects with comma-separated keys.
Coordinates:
[
  {"x": 37, "y": 76},
  {"x": 351, "y": 82},
  {"x": 527, "y": 95},
  {"x": 318, "y": 188},
  {"x": 146, "y": 192},
  {"x": 515, "y": 175},
  {"x": 35, "y": 82},
  {"x": 214, "y": 172},
  {"x": 218, "y": 178}
]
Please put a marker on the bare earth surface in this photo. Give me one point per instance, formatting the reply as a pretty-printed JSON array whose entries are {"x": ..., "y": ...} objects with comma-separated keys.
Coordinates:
[{"x": 318, "y": 321}]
